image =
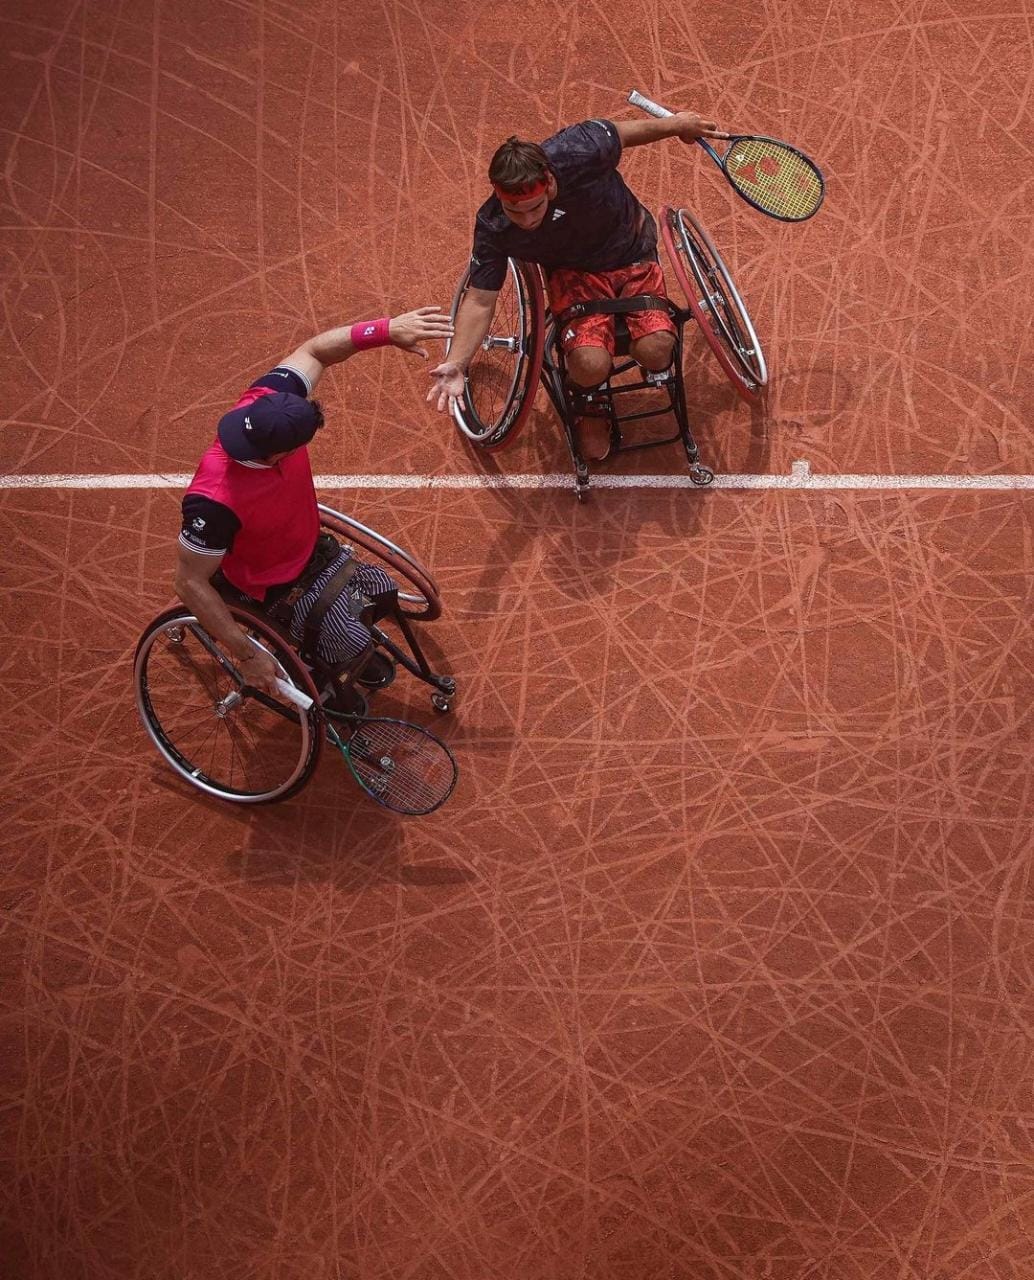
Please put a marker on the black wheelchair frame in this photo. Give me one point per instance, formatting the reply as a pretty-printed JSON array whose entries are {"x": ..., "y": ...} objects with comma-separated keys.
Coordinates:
[
  {"x": 524, "y": 349},
  {"x": 239, "y": 744},
  {"x": 571, "y": 404}
]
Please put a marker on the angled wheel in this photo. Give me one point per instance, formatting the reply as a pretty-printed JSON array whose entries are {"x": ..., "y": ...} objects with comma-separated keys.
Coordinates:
[
  {"x": 503, "y": 375},
  {"x": 420, "y": 597},
  {"x": 713, "y": 299},
  {"x": 221, "y": 736}
]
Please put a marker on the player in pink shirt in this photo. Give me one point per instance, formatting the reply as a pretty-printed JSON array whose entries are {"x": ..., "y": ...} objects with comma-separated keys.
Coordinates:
[{"x": 250, "y": 512}]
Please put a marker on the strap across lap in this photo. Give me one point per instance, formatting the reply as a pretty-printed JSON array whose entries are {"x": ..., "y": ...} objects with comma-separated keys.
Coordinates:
[
  {"x": 324, "y": 602},
  {"x": 615, "y": 307}
]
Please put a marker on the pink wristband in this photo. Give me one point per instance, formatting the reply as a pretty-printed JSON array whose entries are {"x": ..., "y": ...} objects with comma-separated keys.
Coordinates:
[{"x": 371, "y": 333}]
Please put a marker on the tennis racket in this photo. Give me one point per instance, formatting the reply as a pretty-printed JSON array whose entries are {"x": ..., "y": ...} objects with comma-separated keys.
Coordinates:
[
  {"x": 398, "y": 764},
  {"x": 771, "y": 176}
]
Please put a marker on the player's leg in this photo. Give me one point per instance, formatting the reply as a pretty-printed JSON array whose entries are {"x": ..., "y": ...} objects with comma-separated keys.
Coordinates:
[
  {"x": 588, "y": 346},
  {"x": 344, "y": 639},
  {"x": 587, "y": 341},
  {"x": 587, "y": 365},
  {"x": 653, "y": 350},
  {"x": 652, "y": 332}
]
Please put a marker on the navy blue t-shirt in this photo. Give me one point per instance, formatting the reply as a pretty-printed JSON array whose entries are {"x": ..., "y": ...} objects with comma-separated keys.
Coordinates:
[{"x": 594, "y": 224}]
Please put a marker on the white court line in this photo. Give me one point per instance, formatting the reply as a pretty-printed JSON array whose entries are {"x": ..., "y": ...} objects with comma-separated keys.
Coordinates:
[{"x": 800, "y": 477}]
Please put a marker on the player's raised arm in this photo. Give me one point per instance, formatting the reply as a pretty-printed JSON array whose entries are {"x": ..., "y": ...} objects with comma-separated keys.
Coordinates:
[
  {"x": 408, "y": 331},
  {"x": 687, "y": 126}
]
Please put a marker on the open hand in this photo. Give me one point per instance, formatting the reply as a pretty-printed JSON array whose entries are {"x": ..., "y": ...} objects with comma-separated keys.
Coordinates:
[
  {"x": 447, "y": 385},
  {"x": 422, "y": 325}
]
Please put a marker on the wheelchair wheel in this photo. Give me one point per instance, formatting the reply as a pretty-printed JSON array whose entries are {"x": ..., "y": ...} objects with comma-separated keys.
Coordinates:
[
  {"x": 234, "y": 744},
  {"x": 714, "y": 301},
  {"x": 419, "y": 598},
  {"x": 503, "y": 375}
]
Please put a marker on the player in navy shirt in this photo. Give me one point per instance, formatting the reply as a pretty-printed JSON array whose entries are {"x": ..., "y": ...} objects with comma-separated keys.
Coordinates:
[{"x": 565, "y": 206}]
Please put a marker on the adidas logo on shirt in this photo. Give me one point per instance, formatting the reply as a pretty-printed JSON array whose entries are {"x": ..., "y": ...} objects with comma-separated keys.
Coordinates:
[{"x": 558, "y": 214}]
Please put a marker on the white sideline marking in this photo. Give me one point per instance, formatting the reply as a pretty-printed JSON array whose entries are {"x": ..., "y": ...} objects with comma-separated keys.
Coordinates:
[{"x": 800, "y": 477}]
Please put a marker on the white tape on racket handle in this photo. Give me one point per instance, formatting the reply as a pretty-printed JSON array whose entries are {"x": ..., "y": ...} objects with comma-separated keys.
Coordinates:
[
  {"x": 651, "y": 108},
  {"x": 297, "y": 696}
]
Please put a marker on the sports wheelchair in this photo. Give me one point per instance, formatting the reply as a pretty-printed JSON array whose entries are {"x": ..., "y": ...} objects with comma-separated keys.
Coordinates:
[
  {"x": 524, "y": 348},
  {"x": 239, "y": 744}
]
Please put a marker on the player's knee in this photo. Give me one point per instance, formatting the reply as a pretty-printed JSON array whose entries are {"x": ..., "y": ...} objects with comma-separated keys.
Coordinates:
[
  {"x": 588, "y": 366},
  {"x": 654, "y": 350}
]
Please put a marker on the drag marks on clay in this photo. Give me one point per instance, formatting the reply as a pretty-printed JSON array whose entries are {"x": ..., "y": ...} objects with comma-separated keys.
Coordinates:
[
  {"x": 747, "y": 884},
  {"x": 717, "y": 964}
]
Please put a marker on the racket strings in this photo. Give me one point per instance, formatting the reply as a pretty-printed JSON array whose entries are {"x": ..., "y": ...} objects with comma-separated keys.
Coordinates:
[
  {"x": 775, "y": 177},
  {"x": 402, "y": 766}
]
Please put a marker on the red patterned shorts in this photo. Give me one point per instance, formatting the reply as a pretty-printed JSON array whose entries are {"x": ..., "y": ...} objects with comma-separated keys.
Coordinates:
[{"x": 566, "y": 287}]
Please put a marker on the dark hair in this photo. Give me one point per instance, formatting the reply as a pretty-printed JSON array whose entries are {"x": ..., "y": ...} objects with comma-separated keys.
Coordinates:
[
  {"x": 518, "y": 164},
  {"x": 319, "y": 414}
]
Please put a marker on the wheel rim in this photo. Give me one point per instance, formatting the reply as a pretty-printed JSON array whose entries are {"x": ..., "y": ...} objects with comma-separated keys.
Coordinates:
[
  {"x": 731, "y": 322},
  {"x": 499, "y": 376},
  {"x": 228, "y": 745},
  {"x": 424, "y": 601},
  {"x": 715, "y": 302}
]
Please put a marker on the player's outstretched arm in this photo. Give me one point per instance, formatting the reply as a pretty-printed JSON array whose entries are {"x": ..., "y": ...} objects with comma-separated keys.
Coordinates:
[
  {"x": 687, "y": 126},
  {"x": 473, "y": 321},
  {"x": 408, "y": 331}
]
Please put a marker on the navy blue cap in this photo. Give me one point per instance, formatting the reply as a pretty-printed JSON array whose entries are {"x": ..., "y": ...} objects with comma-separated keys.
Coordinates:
[{"x": 271, "y": 424}]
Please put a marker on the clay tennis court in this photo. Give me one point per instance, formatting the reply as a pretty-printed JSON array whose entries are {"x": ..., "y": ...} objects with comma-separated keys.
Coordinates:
[{"x": 719, "y": 963}]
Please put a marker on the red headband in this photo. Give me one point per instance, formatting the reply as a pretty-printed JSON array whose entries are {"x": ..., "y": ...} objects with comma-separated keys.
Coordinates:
[{"x": 523, "y": 193}]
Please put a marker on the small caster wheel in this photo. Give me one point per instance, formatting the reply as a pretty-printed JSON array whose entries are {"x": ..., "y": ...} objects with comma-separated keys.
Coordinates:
[
  {"x": 176, "y": 634},
  {"x": 701, "y": 475},
  {"x": 447, "y": 685},
  {"x": 581, "y": 492},
  {"x": 440, "y": 703}
]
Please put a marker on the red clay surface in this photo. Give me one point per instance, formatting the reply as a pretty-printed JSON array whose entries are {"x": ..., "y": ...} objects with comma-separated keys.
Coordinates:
[{"x": 718, "y": 965}]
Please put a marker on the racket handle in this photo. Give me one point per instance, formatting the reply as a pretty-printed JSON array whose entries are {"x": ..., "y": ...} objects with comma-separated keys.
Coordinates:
[
  {"x": 662, "y": 113},
  {"x": 651, "y": 108},
  {"x": 297, "y": 696}
]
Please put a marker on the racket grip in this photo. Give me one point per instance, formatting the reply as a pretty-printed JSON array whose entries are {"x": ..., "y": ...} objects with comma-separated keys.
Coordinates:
[
  {"x": 645, "y": 104},
  {"x": 297, "y": 696}
]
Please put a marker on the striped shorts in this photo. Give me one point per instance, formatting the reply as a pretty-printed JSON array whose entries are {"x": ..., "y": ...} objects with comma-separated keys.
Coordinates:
[{"x": 342, "y": 636}]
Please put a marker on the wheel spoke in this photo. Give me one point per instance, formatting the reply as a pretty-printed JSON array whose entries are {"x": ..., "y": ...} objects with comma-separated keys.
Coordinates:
[
  {"x": 253, "y": 751},
  {"x": 714, "y": 301},
  {"x": 503, "y": 373}
]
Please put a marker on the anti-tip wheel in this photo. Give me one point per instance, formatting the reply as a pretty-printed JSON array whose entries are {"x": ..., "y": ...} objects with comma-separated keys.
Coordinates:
[
  {"x": 701, "y": 475},
  {"x": 440, "y": 702}
]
